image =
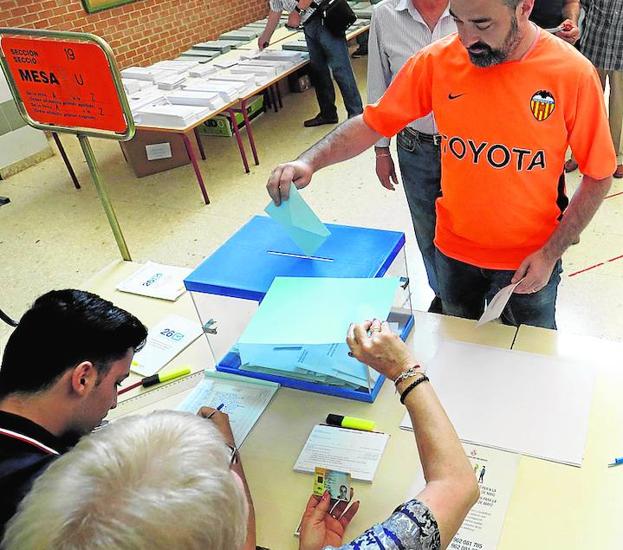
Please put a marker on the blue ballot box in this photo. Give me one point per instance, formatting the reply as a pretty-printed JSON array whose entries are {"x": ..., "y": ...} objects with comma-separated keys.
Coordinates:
[{"x": 229, "y": 285}]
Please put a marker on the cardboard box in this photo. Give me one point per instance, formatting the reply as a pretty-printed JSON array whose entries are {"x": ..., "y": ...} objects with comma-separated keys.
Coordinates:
[
  {"x": 165, "y": 150},
  {"x": 221, "y": 125}
]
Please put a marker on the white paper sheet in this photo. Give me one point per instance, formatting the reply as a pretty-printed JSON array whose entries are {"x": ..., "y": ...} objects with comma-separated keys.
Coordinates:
[
  {"x": 157, "y": 280},
  {"x": 164, "y": 341},
  {"x": 353, "y": 451},
  {"x": 244, "y": 399},
  {"x": 497, "y": 304},
  {"x": 496, "y": 472},
  {"x": 515, "y": 401}
]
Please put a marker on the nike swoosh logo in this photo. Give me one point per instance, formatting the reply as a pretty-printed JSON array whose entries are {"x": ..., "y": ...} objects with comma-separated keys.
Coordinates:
[{"x": 450, "y": 96}]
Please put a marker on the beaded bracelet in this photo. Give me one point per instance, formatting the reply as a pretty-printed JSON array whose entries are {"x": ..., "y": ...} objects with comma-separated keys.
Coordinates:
[
  {"x": 423, "y": 378},
  {"x": 409, "y": 373}
]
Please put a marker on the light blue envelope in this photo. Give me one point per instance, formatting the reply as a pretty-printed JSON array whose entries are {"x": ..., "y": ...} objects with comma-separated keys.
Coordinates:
[
  {"x": 299, "y": 221},
  {"x": 300, "y": 327}
]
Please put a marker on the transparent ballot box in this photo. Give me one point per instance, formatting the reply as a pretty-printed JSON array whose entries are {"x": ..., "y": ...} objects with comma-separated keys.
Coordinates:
[{"x": 228, "y": 287}]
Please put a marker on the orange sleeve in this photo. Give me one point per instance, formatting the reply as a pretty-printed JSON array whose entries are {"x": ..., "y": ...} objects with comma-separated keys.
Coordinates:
[
  {"x": 589, "y": 135},
  {"x": 408, "y": 97}
]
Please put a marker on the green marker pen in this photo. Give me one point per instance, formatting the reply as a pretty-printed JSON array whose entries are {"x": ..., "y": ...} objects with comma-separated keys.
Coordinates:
[{"x": 351, "y": 422}]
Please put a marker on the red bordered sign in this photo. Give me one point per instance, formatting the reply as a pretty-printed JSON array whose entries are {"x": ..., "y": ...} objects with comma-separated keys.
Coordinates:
[{"x": 66, "y": 85}]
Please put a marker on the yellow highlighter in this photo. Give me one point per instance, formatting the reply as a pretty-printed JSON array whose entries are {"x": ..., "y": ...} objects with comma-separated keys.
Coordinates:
[
  {"x": 157, "y": 379},
  {"x": 351, "y": 422}
]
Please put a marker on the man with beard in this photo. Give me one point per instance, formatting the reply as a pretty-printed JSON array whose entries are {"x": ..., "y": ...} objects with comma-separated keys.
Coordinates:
[{"x": 508, "y": 99}]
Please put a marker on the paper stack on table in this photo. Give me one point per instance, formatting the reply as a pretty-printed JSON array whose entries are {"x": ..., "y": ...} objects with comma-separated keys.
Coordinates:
[
  {"x": 142, "y": 98},
  {"x": 176, "y": 66},
  {"x": 514, "y": 401},
  {"x": 214, "y": 45},
  {"x": 143, "y": 73},
  {"x": 211, "y": 100},
  {"x": 203, "y": 70},
  {"x": 170, "y": 81},
  {"x": 229, "y": 91},
  {"x": 300, "y": 328},
  {"x": 240, "y": 35},
  {"x": 168, "y": 115}
]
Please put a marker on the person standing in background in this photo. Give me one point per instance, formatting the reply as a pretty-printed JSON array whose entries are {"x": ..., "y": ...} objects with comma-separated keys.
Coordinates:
[
  {"x": 328, "y": 54},
  {"x": 398, "y": 30},
  {"x": 602, "y": 43}
]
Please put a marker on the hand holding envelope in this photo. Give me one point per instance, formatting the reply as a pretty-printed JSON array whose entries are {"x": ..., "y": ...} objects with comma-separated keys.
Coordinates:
[{"x": 299, "y": 222}]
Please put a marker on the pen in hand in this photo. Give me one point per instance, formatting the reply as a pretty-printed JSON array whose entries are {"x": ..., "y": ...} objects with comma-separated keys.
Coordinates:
[{"x": 217, "y": 409}]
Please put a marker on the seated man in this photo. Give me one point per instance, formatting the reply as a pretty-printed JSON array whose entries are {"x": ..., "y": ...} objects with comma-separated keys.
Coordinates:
[
  {"x": 58, "y": 380},
  {"x": 161, "y": 481}
]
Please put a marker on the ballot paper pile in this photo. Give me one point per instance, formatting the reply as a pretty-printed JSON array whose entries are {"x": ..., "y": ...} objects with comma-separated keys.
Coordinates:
[{"x": 300, "y": 328}]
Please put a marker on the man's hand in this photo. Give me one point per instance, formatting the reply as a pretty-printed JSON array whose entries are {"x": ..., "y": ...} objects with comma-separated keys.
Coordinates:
[
  {"x": 537, "y": 270},
  {"x": 263, "y": 41},
  {"x": 221, "y": 421},
  {"x": 294, "y": 19},
  {"x": 385, "y": 170},
  {"x": 297, "y": 172},
  {"x": 319, "y": 528},
  {"x": 570, "y": 31},
  {"x": 374, "y": 344}
]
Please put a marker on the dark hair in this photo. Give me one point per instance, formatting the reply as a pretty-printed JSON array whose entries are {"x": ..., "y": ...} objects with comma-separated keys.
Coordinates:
[{"x": 62, "y": 329}]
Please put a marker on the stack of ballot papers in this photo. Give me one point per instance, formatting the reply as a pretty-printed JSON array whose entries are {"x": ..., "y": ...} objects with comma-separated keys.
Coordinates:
[
  {"x": 211, "y": 100},
  {"x": 198, "y": 55},
  {"x": 300, "y": 328},
  {"x": 214, "y": 45},
  {"x": 170, "y": 81},
  {"x": 299, "y": 45},
  {"x": 262, "y": 71},
  {"x": 143, "y": 98},
  {"x": 175, "y": 66},
  {"x": 278, "y": 66},
  {"x": 202, "y": 70},
  {"x": 229, "y": 91},
  {"x": 240, "y": 35},
  {"x": 143, "y": 73},
  {"x": 167, "y": 115}
]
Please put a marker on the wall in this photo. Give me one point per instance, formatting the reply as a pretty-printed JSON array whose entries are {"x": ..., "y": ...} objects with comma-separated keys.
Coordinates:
[
  {"x": 20, "y": 145},
  {"x": 141, "y": 32}
]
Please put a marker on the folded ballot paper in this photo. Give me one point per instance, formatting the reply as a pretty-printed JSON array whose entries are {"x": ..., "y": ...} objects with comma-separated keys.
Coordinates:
[
  {"x": 299, "y": 221},
  {"x": 300, "y": 328}
]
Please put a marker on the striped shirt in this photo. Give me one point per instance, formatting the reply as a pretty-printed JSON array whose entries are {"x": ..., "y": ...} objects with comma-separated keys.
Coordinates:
[
  {"x": 602, "y": 36},
  {"x": 289, "y": 5},
  {"x": 397, "y": 31}
]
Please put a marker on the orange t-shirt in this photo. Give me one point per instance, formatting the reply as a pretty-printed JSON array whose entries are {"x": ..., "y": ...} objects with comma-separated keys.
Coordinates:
[{"x": 505, "y": 130}]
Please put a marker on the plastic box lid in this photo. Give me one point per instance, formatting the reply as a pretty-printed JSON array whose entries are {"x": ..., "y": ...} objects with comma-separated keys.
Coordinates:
[{"x": 245, "y": 266}]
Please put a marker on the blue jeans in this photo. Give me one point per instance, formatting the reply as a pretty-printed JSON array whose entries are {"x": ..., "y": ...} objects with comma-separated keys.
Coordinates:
[
  {"x": 465, "y": 288},
  {"x": 329, "y": 54},
  {"x": 420, "y": 168}
]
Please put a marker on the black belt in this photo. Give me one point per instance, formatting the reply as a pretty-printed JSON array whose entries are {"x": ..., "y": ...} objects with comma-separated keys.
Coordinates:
[{"x": 435, "y": 139}]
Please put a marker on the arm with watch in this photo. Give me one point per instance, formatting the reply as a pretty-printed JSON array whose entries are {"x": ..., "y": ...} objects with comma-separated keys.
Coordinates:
[{"x": 451, "y": 488}]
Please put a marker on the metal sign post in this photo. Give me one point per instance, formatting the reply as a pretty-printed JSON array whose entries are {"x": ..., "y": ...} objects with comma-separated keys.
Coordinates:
[{"x": 68, "y": 82}]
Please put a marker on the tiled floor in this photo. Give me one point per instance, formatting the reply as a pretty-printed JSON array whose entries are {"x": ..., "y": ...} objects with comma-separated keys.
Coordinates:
[{"x": 52, "y": 236}]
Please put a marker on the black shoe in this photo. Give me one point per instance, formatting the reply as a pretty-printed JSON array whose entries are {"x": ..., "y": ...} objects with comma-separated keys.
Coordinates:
[
  {"x": 435, "y": 305},
  {"x": 359, "y": 52},
  {"x": 319, "y": 120}
]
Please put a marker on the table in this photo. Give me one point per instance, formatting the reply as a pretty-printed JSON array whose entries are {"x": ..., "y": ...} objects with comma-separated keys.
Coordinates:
[
  {"x": 268, "y": 459},
  {"x": 557, "y": 506}
]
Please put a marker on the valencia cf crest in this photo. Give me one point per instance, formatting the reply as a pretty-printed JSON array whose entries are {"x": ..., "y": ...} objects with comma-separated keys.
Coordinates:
[{"x": 542, "y": 105}]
